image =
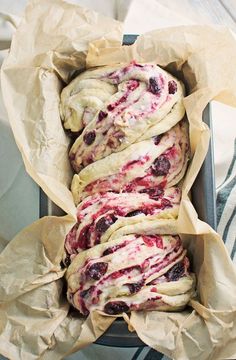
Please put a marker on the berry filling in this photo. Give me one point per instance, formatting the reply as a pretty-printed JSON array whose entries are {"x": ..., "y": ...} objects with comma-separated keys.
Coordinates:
[
  {"x": 154, "y": 193},
  {"x": 135, "y": 287},
  {"x": 175, "y": 272},
  {"x": 153, "y": 85},
  {"x": 83, "y": 238},
  {"x": 89, "y": 137},
  {"x": 112, "y": 249},
  {"x": 153, "y": 240},
  {"x": 172, "y": 87},
  {"x": 165, "y": 203},
  {"x": 157, "y": 139},
  {"x": 70, "y": 240},
  {"x": 104, "y": 223},
  {"x": 150, "y": 258},
  {"x": 127, "y": 271},
  {"x": 130, "y": 165},
  {"x": 131, "y": 86},
  {"x": 96, "y": 270},
  {"x": 102, "y": 115},
  {"x": 116, "y": 307},
  {"x": 99, "y": 212},
  {"x": 156, "y": 166},
  {"x": 161, "y": 166}
]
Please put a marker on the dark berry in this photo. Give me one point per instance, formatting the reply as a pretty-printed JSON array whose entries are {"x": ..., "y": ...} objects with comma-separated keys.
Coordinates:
[
  {"x": 104, "y": 223},
  {"x": 108, "y": 251},
  {"x": 89, "y": 137},
  {"x": 161, "y": 166},
  {"x": 101, "y": 115},
  {"x": 97, "y": 270},
  {"x": 116, "y": 307},
  {"x": 154, "y": 193},
  {"x": 175, "y": 272},
  {"x": 153, "y": 85},
  {"x": 157, "y": 139},
  {"x": 135, "y": 287},
  {"x": 172, "y": 87},
  {"x": 134, "y": 213},
  {"x": 111, "y": 107}
]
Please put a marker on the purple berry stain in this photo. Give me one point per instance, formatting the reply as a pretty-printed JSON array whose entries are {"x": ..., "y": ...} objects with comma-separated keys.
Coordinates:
[
  {"x": 84, "y": 237},
  {"x": 153, "y": 85},
  {"x": 161, "y": 166},
  {"x": 96, "y": 270},
  {"x": 101, "y": 115},
  {"x": 116, "y": 307},
  {"x": 135, "y": 287},
  {"x": 157, "y": 139},
  {"x": 172, "y": 87},
  {"x": 89, "y": 137},
  {"x": 112, "y": 249},
  {"x": 165, "y": 203}
]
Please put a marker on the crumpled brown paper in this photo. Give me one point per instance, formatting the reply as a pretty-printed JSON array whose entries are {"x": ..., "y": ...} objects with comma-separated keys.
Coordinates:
[
  {"x": 49, "y": 46},
  {"x": 52, "y": 43}
]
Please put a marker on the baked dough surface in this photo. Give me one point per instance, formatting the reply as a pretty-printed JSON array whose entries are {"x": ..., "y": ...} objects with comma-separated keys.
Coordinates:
[
  {"x": 133, "y": 169},
  {"x": 143, "y": 95},
  {"x": 129, "y": 158},
  {"x": 100, "y": 216},
  {"x": 153, "y": 274}
]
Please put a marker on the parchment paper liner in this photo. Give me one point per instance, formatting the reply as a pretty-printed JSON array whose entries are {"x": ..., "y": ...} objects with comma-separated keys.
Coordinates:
[{"x": 50, "y": 45}]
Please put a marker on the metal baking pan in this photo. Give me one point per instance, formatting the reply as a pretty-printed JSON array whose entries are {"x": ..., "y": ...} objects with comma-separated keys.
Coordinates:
[{"x": 204, "y": 200}]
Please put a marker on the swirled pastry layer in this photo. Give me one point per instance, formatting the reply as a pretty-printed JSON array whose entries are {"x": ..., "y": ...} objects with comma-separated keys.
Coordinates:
[
  {"x": 145, "y": 95},
  {"x": 153, "y": 275},
  {"x": 146, "y": 166},
  {"x": 99, "y": 216}
]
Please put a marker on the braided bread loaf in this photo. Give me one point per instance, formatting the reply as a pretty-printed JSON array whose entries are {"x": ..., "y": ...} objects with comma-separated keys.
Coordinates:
[{"x": 130, "y": 154}]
